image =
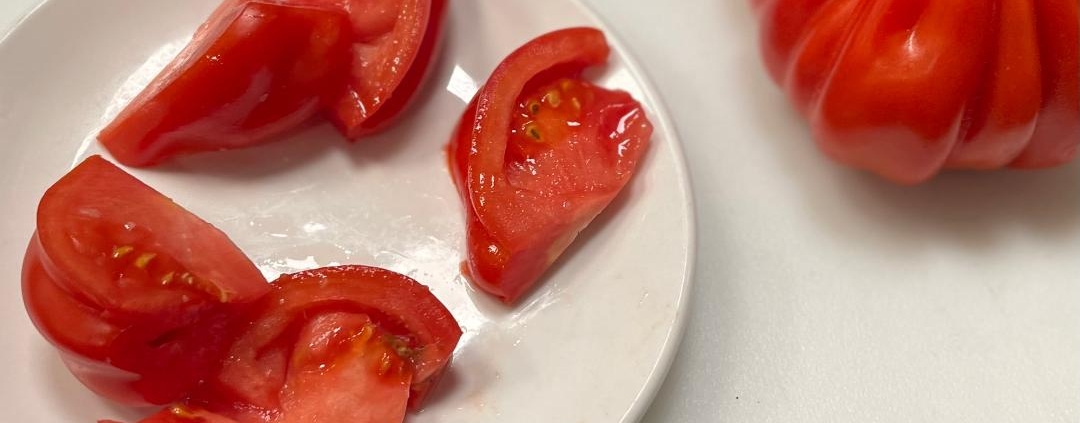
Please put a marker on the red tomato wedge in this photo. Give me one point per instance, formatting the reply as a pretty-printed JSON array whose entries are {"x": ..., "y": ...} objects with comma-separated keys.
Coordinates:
[
  {"x": 130, "y": 287},
  {"x": 339, "y": 344},
  {"x": 394, "y": 47},
  {"x": 538, "y": 154},
  {"x": 906, "y": 88},
  {"x": 181, "y": 414},
  {"x": 257, "y": 69},
  {"x": 253, "y": 71},
  {"x": 340, "y": 368}
]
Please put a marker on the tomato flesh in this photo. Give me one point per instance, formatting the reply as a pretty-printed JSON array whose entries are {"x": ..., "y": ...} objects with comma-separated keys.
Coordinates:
[
  {"x": 339, "y": 344},
  {"x": 150, "y": 305},
  {"x": 257, "y": 69},
  {"x": 251, "y": 73},
  {"x": 134, "y": 308},
  {"x": 182, "y": 414},
  {"x": 408, "y": 320},
  {"x": 393, "y": 50},
  {"x": 538, "y": 154}
]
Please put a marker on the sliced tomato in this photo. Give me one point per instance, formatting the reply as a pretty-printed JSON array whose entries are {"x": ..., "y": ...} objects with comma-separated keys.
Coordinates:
[
  {"x": 538, "y": 154},
  {"x": 353, "y": 342},
  {"x": 257, "y": 69},
  {"x": 130, "y": 287},
  {"x": 394, "y": 47},
  {"x": 182, "y": 414},
  {"x": 254, "y": 70}
]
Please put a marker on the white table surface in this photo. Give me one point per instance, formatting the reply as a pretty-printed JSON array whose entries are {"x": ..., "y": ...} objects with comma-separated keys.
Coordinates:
[{"x": 824, "y": 295}]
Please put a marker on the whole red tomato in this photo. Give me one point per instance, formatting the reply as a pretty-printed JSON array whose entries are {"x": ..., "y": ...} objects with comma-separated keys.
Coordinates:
[{"x": 906, "y": 88}]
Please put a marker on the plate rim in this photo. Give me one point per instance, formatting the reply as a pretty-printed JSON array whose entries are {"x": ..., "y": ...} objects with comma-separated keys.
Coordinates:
[
  {"x": 667, "y": 353},
  {"x": 662, "y": 116}
]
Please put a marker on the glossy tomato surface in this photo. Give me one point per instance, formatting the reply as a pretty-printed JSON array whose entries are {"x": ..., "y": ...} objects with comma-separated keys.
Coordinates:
[
  {"x": 339, "y": 344},
  {"x": 538, "y": 154},
  {"x": 388, "y": 309},
  {"x": 253, "y": 71},
  {"x": 906, "y": 88},
  {"x": 257, "y": 69},
  {"x": 394, "y": 45},
  {"x": 130, "y": 287}
]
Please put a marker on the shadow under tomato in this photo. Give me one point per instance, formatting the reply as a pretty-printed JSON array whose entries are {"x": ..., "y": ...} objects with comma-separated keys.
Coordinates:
[
  {"x": 70, "y": 398},
  {"x": 974, "y": 210},
  {"x": 443, "y": 391},
  {"x": 293, "y": 150},
  {"x": 317, "y": 138},
  {"x": 422, "y": 126}
]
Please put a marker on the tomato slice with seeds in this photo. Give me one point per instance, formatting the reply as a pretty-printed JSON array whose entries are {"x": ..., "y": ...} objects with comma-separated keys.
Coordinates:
[
  {"x": 338, "y": 344},
  {"x": 539, "y": 153},
  {"x": 253, "y": 71},
  {"x": 320, "y": 320},
  {"x": 130, "y": 287}
]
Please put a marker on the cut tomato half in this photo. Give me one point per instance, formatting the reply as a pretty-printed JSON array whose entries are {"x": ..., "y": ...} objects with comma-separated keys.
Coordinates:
[
  {"x": 131, "y": 287},
  {"x": 307, "y": 348},
  {"x": 539, "y": 153},
  {"x": 257, "y": 69},
  {"x": 253, "y": 71},
  {"x": 394, "y": 47}
]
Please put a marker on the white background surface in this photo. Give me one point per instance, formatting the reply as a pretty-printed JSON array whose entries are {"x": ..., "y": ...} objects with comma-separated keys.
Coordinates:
[{"x": 826, "y": 295}]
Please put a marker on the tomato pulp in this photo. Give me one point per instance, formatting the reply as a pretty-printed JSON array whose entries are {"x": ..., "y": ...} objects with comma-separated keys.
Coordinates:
[
  {"x": 337, "y": 344},
  {"x": 538, "y": 154},
  {"x": 130, "y": 287}
]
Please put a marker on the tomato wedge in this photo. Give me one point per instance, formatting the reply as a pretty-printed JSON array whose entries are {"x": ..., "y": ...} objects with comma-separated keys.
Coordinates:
[
  {"x": 130, "y": 287},
  {"x": 339, "y": 344},
  {"x": 257, "y": 69},
  {"x": 386, "y": 309},
  {"x": 538, "y": 154},
  {"x": 340, "y": 368},
  {"x": 181, "y": 414},
  {"x": 253, "y": 71},
  {"x": 394, "y": 47}
]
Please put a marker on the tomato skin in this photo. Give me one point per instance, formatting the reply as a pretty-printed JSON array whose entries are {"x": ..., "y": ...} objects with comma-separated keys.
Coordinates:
[
  {"x": 1057, "y": 134},
  {"x": 253, "y": 376},
  {"x": 907, "y": 88},
  {"x": 390, "y": 61},
  {"x": 253, "y": 71},
  {"x": 257, "y": 69},
  {"x": 121, "y": 330},
  {"x": 181, "y": 414},
  {"x": 526, "y": 201},
  {"x": 338, "y": 344}
]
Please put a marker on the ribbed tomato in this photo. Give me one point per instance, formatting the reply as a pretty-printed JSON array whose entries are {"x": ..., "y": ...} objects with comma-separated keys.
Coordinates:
[{"x": 906, "y": 88}]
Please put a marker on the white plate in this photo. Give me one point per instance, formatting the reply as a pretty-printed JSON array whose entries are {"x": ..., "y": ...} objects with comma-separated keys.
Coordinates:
[{"x": 591, "y": 345}]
